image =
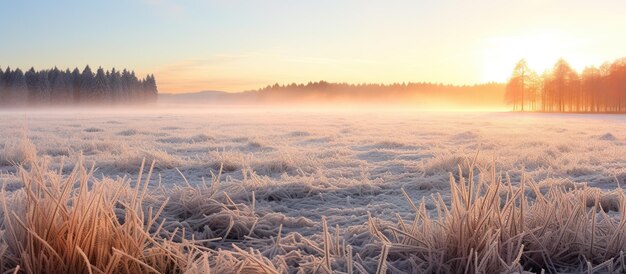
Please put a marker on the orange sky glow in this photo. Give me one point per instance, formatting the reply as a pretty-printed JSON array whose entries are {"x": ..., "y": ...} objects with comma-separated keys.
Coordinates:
[{"x": 242, "y": 45}]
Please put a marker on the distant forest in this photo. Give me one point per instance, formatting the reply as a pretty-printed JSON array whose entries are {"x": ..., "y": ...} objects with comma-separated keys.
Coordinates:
[
  {"x": 562, "y": 89},
  {"x": 62, "y": 87},
  {"x": 482, "y": 95}
]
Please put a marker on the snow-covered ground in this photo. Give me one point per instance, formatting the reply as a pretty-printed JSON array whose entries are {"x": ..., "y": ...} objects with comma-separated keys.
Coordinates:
[{"x": 302, "y": 165}]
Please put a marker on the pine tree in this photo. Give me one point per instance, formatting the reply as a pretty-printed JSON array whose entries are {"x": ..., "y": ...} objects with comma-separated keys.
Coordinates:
[
  {"x": 59, "y": 92},
  {"x": 43, "y": 88},
  {"x": 75, "y": 84},
  {"x": 115, "y": 84},
  {"x": 32, "y": 84},
  {"x": 7, "y": 76},
  {"x": 150, "y": 88},
  {"x": 2, "y": 87},
  {"x": 109, "y": 95},
  {"x": 18, "y": 92},
  {"x": 87, "y": 85},
  {"x": 135, "y": 87},
  {"x": 126, "y": 86},
  {"x": 100, "y": 88},
  {"x": 5, "y": 93},
  {"x": 69, "y": 79}
]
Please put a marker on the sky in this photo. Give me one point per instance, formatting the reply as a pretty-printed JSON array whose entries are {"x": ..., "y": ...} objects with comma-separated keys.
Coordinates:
[{"x": 235, "y": 45}]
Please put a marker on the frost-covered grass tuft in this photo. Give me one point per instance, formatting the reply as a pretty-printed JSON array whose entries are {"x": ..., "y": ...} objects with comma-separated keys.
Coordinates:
[
  {"x": 74, "y": 223},
  {"x": 59, "y": 224},
  {"x": 93, "y": 129},
  {"x": 607, "y": 137},
  {"x": 128, "y": 160},
  {"x": 22, "y": 151},
  {"x": 492, "y": 226},
  {"x": 128, "y": 132}
]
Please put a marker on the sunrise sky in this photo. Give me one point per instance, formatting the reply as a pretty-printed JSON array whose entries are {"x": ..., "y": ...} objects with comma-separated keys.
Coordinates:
[{"x": 233, "y": 45}]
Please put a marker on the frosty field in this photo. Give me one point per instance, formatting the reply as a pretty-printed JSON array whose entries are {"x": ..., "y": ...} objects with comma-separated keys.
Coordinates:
[{"x": 283, "y": 171}]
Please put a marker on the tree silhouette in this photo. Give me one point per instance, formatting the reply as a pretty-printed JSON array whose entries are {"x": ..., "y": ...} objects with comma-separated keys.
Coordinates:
[
  {"x": 564, "y": 90},
  {"x": 481, "y": 95},
  {"x": 516, "y": 88},
  {"x": 55, "y": 86}
]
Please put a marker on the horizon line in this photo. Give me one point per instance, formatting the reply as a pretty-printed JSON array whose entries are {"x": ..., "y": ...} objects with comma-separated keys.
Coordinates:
[{"x": 342, "y": 83}]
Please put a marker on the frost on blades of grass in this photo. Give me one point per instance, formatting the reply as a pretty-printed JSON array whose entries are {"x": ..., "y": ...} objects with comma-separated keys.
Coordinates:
[
  {"x": 59, "y": 224},
  {"x": 128, "y": 160},
  {"x": 20, "y": 152},
  {"x": 128, "y": 132},
  {"x": 493, "y": 227},
  {"x": 277, "y": 163},
  {"x": 74, "y": 223},
  {"x": 207, "y": 213},
  {"x": 301, "y": 194},
  {"x": 227, "y": 161}
]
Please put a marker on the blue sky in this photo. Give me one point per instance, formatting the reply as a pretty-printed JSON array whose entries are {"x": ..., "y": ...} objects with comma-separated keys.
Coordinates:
[{"x": 237, "y": 45}]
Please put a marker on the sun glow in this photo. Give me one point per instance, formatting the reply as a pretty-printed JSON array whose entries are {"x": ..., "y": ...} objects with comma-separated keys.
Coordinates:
[{"x": 541, "y": 50}]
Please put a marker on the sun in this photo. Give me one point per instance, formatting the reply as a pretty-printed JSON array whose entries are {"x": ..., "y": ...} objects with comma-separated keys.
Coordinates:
[{"x": 541, "y": 50}]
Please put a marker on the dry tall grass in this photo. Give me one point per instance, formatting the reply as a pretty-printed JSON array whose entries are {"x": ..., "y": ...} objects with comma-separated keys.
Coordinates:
[
  {"x": 61, "y": 224},
  {"x": 18, "y": 153},
  {"x": 492, "y": 226},
  {"x": 77, "y": 224}
]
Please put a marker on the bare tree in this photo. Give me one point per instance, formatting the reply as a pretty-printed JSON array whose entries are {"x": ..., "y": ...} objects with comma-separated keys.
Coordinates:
[{"x": 519, "y": 84}]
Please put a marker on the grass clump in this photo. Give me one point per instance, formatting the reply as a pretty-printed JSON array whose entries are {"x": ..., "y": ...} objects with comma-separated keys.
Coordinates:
[
  {"x": 75, "y": 223},
  {"x": 61, "y": 224},
  {"x": 18, "y": 153},
  {"x": 492, "y": 226}
]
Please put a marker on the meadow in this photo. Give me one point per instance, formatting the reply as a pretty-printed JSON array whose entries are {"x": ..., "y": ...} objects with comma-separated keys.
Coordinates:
[{"x": 243, "y": 190}]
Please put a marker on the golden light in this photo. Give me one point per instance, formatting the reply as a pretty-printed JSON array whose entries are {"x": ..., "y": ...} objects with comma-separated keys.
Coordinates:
[{"x": 541, "y": 51}]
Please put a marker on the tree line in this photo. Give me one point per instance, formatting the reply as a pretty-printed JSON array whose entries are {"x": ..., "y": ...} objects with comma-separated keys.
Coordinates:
[
  {"x": 55, "y": 86},
  {"x": 562, "y": 89},
  {"x": 415, "y": 93}
]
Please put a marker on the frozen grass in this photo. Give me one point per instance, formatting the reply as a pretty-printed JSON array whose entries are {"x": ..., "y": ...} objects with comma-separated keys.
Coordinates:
[
  {"x": 73, "y": 223},
  {"x": 128, "y": 160},
  {"x": 492, "y": 226},
  {"x": 21, "y": 151},
  {"x": 60, "y": 224},
  {"x": 314, "y": 193}
]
